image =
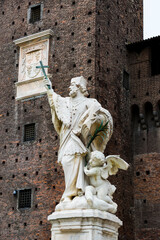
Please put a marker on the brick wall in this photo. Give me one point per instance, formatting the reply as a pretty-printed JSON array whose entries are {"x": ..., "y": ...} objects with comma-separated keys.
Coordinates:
[
  {"x": 34, "y": 164},
  {"x": 118, "y": 22},
  {"x": 147, "y": 196},
  {"x": 144, "y": 87},
  {"x": 144, "y": 97},
  {"x": 89, "y": 40}
]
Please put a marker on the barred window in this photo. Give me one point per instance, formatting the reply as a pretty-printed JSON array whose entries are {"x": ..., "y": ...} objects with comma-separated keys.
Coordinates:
[
  {"x": 35, "y": 13},
  {"x": 29, "y": 132},
  {"x": 24, "y": 198}
]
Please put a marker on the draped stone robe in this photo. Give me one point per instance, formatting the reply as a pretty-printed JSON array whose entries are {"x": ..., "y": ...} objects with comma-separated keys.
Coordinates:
[{"x": 74, "y": 121}]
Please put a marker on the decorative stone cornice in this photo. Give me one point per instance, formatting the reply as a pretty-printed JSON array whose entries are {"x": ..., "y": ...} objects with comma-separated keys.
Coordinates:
[{"x": 46, "y": 33}]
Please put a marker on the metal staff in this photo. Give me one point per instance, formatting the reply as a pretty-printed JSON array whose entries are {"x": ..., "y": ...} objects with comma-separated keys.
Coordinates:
[{"x": 43, "y": 70}]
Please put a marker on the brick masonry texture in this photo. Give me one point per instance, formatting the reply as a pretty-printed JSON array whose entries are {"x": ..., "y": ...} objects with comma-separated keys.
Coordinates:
[
  {"x": 147, "y": 88},
  {"x": 117, "y": 24},
  {"x": 89, "y": 39},
  {"x": 147, "y": 196},
  {"x": 144, "y": 99},
  {"x": 34, "y": 164}
]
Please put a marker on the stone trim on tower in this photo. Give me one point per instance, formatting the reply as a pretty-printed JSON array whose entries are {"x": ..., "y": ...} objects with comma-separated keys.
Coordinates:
[{"x": 33, "y": 49}]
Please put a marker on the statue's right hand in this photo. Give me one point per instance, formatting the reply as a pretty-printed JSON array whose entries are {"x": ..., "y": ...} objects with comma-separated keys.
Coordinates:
[{"x": 47, "y": 83}]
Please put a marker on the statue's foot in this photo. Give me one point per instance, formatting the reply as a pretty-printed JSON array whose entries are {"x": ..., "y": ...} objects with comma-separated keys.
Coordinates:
[
  {"x": 66, "y": 199},
  {"x": 58, "y": 207},
  {"x": 90, "y": 201},
  {"x": 80, "y": 193},
  {"x": 114, "y": 207}
]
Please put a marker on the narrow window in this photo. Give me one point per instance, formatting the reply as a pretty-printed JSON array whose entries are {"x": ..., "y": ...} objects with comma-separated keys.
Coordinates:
[
  {"x": 24, "y": 198},
  {"x": 126, "y": 80},
  {"x": 29, "y": 132},
  {"x": 135, "y": 118},
  {"x": 35, "y": 13},
  {"x": 149, "y": 115}
]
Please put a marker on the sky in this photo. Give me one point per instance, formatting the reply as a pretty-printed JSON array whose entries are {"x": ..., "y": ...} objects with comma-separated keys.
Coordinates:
[{"x": 151, "y": 18}]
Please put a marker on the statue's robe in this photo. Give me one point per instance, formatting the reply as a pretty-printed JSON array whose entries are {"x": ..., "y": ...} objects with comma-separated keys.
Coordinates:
[{"x": 74, "y": 121}]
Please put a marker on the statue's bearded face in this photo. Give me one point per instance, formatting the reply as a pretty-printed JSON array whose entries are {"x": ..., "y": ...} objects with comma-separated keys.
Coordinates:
[{"x": 73, "y": 90}]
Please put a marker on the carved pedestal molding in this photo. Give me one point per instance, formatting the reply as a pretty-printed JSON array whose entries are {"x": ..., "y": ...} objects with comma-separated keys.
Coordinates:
[
  {"x": 87, "y": 224},
  {"x": 33, "y": 48}
]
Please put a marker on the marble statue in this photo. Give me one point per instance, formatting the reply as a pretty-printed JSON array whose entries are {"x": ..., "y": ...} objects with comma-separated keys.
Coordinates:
[{"x": 76, "y": 119}]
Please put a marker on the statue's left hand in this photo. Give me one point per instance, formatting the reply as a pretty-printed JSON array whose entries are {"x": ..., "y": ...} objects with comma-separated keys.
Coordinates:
[{"x": 97, "y": 118}]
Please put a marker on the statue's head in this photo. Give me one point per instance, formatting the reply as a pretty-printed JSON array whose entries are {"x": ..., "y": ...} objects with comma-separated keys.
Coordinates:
[
  {"x": 78, "y": 83},
  {"x": 97, "y": 159}
]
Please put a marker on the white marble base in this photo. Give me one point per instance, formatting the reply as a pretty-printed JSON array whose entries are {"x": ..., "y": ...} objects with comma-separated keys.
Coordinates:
[{"x": 87, "y": 224}]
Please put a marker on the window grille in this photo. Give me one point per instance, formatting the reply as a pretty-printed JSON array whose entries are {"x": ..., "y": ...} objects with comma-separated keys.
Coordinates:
[
  {"x": 35, "y": 14},
  {"x": 125, "y": 80},
  {"x": 29, "y": 132},
  {"x": 24, "y": 199}
]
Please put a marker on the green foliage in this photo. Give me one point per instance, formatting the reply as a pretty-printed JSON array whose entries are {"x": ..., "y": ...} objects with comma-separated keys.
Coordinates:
[{"x": 101, "y": 129}]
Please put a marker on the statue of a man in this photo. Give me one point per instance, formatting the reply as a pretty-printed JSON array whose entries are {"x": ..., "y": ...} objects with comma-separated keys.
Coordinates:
[{"x": 75, "y": 119}]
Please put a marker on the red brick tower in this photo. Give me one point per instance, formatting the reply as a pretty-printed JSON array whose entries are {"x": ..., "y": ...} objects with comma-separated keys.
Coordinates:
[
  {"x": 89, "y": 39},
  {"x": 144, "y": 95}
]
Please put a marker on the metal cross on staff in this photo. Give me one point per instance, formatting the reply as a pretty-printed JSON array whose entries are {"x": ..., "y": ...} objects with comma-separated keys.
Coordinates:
[{"x": 43, "y": 70}]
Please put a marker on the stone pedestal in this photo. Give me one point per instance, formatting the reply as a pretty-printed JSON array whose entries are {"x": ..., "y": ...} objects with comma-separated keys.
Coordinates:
[{"x": 86, "y": 224}]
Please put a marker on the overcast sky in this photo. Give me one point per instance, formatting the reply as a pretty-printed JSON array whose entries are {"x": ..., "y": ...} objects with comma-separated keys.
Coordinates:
[{"x": 151, "y": 18}]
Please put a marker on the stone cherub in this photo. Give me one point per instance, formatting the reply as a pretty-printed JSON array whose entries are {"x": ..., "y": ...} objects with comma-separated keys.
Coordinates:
[{"x": 99, "y": 192}]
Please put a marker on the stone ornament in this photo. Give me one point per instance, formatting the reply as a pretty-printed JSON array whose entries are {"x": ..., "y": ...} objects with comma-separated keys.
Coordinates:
[
  {"x": 76, "y": 119},
  {"x": 33, "y": 49},
  {"x": 30, "y": 58}
]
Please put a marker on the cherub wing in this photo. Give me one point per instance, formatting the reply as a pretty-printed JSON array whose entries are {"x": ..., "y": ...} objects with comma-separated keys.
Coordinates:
[
  {"x": 104, "y": 172},
  {"x": 114, "y": 162}
]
